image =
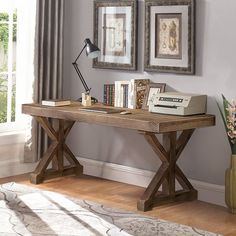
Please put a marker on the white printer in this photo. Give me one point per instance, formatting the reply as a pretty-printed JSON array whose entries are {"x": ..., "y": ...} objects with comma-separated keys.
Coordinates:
[{"x": 175, "y": 103}]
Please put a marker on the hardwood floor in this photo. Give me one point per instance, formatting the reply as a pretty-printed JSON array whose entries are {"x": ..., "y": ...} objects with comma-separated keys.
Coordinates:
[{"x": 197, "y": 214}]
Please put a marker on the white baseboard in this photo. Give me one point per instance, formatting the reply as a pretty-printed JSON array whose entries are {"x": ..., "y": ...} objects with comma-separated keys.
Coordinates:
[
  {"x": 14, "y": 167},
  {"x": 207, "y": 192}
]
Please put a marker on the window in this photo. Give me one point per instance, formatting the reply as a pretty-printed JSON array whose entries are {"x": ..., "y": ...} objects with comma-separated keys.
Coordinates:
[
  {"x": 17, "y": 25},
  {"x": 8, "y": 42}
]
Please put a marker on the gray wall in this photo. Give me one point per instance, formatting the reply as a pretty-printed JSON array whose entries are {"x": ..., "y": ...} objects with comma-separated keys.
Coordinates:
[{"x": 207, "y": 155}]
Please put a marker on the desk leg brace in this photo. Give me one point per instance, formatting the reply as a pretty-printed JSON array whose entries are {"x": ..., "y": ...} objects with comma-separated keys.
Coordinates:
[
  {"x": 55, "y": 153},
  {"x": 168, "y": 172}
]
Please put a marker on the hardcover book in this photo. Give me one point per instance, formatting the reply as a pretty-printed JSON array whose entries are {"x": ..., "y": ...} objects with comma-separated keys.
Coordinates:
[
  {"x": 137, "y": 91},
  {"x": 56, "y": 102},
  {"x": 109, "y": 94},
  {"x": 121, "y": 93}
]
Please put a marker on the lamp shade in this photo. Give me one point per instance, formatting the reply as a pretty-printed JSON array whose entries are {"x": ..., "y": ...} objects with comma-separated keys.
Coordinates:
[{"x": 92, "y": 51}]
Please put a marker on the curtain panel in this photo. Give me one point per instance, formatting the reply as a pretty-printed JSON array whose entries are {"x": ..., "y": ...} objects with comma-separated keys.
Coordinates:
[{"x": 48, "y": 67}]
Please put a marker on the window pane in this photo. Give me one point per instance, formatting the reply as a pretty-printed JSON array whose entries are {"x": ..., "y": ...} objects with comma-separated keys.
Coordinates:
[
  {"x": 3, "y": 47},
  {"x": 13, "y": 101},
  {"x": 4, "y": 16},
  {"x": 14, "y": 47},
  {"x": 15, "y": 16},
  {"x": 3, "y": 98}
]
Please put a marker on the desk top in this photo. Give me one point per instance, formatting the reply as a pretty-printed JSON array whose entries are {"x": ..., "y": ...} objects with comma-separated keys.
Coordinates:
[{"x": 139, "y": 119}]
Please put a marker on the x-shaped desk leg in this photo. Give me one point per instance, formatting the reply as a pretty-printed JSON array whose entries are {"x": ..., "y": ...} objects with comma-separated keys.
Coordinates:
[
  {"x": 168, "y": 172},
  {"x": 55, "y": 153}
]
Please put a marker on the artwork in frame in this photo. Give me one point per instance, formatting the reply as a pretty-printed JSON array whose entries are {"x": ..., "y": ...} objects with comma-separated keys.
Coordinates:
[
  {"x": 170, "y": 36},
  {"x": 151, "y": 90},
  {"x": 115, "y": 28}
]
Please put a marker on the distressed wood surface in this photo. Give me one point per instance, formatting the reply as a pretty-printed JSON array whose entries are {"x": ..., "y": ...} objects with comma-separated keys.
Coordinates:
[{"x": 138, "y": 120}]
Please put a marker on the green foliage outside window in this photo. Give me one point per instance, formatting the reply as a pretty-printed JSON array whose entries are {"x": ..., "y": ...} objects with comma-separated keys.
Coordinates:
[
  {"x": 3, "y": 102},
  {"x": 4, "y": 33},
  {"x": 13, "y": 104},
  {"x": 4, "y": 29}
]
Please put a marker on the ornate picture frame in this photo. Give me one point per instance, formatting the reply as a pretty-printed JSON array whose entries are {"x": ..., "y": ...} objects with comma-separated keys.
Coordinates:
[
  {"x": 170, "y": 36},
  {"x": 152, "y": 89},
  {"x": 115, "y": 30}
]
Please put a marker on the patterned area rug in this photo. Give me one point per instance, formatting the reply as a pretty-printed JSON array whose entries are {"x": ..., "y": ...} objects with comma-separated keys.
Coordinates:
[{"x": 29, "y": 211}]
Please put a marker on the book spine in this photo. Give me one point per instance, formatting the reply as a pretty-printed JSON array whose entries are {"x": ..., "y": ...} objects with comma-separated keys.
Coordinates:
[
  {"x": 117, "y": 100},
  {"x": 126, "y": 96},
  {"x": 113, "y": 95},
  {"x": 123, "y": 95},
  {"x": 105, "y": 94},
  {"x": 121, "y": 103},
  {"x": 131, "y": 95},
  {"x": 110, "y": 94}
]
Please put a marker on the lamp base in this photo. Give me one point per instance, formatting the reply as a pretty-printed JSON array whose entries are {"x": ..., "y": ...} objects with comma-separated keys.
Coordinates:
[{"x": 93, "y": 100}]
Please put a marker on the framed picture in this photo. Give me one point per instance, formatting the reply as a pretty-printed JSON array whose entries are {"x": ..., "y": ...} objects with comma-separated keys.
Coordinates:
[
  {"x": 170, "y": 36},
  {"x": 115, "y": 29},
  {"x": 151, "y": 90}
]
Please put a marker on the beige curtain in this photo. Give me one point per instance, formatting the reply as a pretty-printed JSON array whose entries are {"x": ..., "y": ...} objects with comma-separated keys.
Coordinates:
[{"x": 48, "y": 67}]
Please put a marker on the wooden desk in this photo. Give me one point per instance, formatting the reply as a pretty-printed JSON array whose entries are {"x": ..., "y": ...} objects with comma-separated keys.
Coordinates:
[{"x": 148, "y": 124}]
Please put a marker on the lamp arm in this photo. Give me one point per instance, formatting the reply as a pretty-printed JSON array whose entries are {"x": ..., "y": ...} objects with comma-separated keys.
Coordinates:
[
  {"x": 87, "y": 89},
  {"x": 80, "y": 53}
]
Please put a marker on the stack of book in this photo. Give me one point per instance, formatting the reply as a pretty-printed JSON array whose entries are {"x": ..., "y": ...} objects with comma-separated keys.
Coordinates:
[
  {"x": 109, "y": 94},
  {"x": 122, "y": 93},
  {"x": 131, "y": 93},
  {"x": 56, "y": 102}
]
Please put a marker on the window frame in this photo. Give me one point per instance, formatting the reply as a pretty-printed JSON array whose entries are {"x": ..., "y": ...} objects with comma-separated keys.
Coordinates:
[{"x": 17, "y": 125}]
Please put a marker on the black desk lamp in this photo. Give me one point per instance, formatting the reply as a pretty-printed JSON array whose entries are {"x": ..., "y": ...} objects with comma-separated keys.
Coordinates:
[{"x": 92, "y": 51}]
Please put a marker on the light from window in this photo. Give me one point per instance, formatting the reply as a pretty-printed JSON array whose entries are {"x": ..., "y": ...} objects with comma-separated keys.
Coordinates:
[
  {"x": 17, "y": 62},
  {"x": 8, "y": 44}
]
